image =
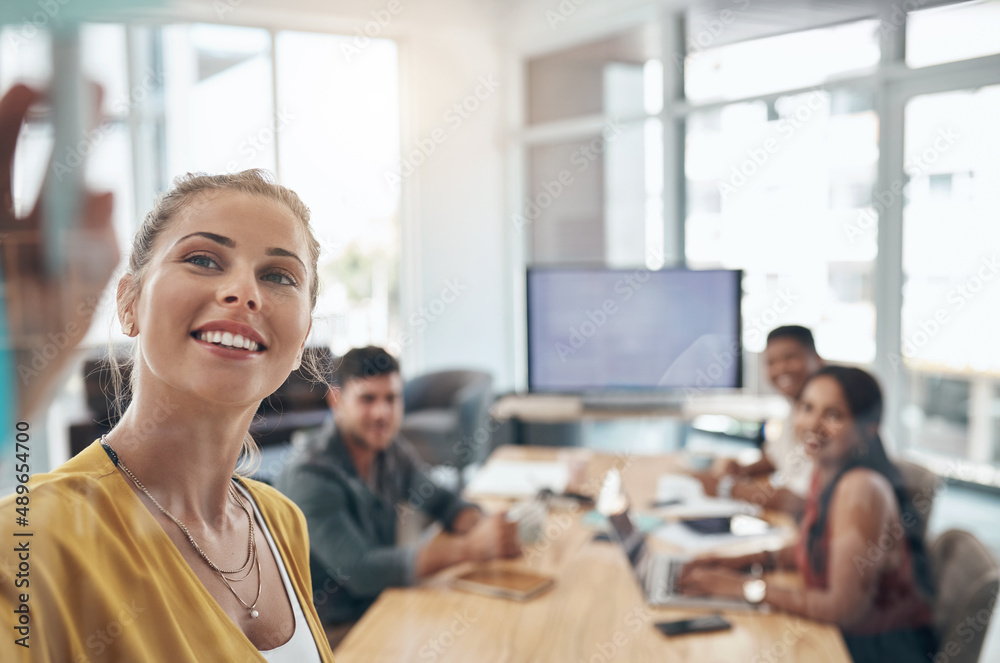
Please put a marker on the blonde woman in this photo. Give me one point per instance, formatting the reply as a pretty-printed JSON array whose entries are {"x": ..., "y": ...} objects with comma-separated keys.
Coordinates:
[{"x": 148, "y": 546}]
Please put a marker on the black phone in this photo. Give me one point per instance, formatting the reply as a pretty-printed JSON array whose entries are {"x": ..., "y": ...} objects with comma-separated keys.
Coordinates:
[{"x": 696, "y": 625}]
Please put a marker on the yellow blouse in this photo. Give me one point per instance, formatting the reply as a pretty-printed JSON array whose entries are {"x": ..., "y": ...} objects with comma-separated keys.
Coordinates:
[{"x": 99, "y": 580}]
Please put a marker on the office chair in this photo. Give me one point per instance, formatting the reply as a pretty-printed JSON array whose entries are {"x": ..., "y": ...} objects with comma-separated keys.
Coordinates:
[
  {"x": 445, "y": 416},
  {"x": 922, "y": 485},
  {"x": 967, "y": 578}
]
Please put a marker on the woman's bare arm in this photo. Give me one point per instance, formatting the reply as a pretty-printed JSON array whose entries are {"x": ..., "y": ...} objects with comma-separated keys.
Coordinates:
[{"x": 861, "y": 512}]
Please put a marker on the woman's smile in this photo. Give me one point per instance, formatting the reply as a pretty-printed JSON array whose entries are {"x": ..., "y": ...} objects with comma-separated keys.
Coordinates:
[{"x": 230, "y": 340}]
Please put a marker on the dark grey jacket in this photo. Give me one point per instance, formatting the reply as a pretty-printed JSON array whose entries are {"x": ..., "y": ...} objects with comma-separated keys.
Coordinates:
[{"x": 352, "y": 523}]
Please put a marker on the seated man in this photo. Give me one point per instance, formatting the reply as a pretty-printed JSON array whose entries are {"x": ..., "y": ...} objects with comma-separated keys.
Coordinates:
[
  {"x": 791, "y": 358},
  {"x": 353, "y": 477}
]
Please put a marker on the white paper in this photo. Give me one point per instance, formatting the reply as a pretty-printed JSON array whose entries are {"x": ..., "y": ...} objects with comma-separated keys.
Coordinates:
[
  {"x": 708, "y": 507},
  {"x": 682, "y": 487},
  {"x": 692, "y": 542},
  {"x": 692, "y": 501},
  {"x": 513, "y": 478}
]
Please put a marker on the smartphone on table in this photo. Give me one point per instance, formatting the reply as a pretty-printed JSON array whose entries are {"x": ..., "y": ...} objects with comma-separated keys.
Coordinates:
[{"x": 705, "y": 624}]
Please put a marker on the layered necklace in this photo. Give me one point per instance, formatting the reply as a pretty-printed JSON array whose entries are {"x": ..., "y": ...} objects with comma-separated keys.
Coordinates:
[{"x": 235, "y": 575}]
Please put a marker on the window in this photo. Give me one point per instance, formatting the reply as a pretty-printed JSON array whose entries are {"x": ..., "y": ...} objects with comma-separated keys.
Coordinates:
[
  {"x": 790, "y": 180},
  {"x": 752, "y": 68},
  {"x": 950, "y": 232},
  {"x": 217, "y": 97},
  {"x": 952, "y": 292},
  {"x": 952, "y": 33}
]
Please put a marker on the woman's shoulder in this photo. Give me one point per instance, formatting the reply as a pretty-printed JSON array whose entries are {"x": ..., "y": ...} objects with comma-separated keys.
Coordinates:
[
  {"x": 865, "y": 479},
  {"x": 864, "y": 487}
]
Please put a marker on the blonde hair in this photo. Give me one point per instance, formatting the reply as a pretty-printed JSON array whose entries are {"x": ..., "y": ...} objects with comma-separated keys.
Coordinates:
[{"x": 185, "y": 191}]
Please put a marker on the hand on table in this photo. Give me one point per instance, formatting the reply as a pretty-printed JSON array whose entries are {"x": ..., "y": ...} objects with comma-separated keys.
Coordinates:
[
  {"x": 43, "y": 311},
  {"x": 711, "y": 580},
  {"x": 492, "y": 537}
]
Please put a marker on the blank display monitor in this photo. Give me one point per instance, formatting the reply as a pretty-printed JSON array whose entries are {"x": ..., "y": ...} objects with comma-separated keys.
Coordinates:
[{"x": 598, "y": 329}]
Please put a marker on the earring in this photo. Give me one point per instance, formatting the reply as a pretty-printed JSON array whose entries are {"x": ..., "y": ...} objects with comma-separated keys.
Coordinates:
[
  {"x": 127, "y": 329},
  {"x": 298, "y": 362}
]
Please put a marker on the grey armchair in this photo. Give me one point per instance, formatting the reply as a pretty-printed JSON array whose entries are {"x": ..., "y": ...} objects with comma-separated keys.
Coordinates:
[
  {"x": 445, "y": 416},
  {"x": 966, "y": 577},
  {"x": 922, "y": 485}
]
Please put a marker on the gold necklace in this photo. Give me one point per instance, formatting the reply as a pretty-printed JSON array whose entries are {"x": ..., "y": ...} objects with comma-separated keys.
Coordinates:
[{"x": 252, "y": 556}]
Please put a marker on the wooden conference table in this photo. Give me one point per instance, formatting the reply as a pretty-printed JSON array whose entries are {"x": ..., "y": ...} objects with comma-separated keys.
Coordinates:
[{"x": 596, "y": 613}]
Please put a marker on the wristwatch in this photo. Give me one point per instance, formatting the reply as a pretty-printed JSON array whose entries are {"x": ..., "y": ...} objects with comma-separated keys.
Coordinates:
[
  {"x": 754, "y": 590},
  {"x": 724, "y": 488}
]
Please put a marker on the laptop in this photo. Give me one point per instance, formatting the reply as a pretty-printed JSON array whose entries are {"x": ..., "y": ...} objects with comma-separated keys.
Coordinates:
[{"x": 658, "y": 573}]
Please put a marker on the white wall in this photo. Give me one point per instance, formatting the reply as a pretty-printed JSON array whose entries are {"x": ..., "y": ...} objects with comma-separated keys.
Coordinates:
[{"x": 456, "y": 293}]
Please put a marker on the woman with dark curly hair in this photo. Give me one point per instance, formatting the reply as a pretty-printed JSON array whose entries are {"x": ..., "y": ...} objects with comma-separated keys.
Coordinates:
[{"x": 859, "y": 552}]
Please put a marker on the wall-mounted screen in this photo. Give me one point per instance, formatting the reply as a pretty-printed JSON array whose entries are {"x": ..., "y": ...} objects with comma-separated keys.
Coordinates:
[{"x": 597, "y": 329}]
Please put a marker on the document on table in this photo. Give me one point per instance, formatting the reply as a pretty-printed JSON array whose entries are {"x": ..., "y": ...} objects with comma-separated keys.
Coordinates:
[
  {"x": 693, "y": 543},
  {"x": 689, "y": 500},
  {"x": 516, "y": 478}
]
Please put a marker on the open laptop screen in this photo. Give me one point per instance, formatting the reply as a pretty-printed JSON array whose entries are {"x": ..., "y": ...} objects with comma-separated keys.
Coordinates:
[{"x": 628, "y": 535}]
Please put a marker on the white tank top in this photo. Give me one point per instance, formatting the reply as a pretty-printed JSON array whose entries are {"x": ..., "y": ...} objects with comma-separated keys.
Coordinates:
[{"x": 301, "y": 647}]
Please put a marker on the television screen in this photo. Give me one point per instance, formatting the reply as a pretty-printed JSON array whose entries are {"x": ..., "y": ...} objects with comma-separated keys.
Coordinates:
[{"x": 597, "y": 329}]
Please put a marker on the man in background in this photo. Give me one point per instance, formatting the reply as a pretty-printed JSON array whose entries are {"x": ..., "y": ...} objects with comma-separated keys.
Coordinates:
[
  {"x": 355, "y": 476},
  {"x": 791, "y": 357}
]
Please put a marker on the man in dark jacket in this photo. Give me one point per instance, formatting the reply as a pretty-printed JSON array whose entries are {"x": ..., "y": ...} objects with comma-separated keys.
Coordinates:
[{"x": 356, "y": 476}]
